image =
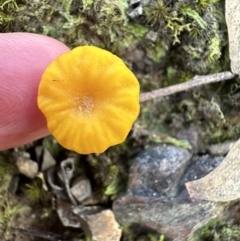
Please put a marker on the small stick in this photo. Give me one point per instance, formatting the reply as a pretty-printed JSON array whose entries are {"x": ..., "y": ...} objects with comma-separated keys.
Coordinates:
[{"x": 197, "y": 80}]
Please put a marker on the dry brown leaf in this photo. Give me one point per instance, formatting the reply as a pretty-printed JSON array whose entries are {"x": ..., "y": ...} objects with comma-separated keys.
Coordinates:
[
  {"x": 232, "y": 14},
  {"x": 223, "y": 183}
]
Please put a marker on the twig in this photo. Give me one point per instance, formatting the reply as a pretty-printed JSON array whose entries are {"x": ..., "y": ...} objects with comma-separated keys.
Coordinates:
[{"x": 197, "y": 80}]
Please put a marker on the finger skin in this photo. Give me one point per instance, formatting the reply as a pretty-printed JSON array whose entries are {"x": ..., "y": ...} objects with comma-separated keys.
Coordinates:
[{"x": 23, "y": 59}]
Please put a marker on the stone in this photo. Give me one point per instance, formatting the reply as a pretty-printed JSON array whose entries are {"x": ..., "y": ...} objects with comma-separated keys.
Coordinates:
[
  {"x": 47, "y": 161},
  {"x": 132, "y": 2},
  {"x": 177, "y": 221},
  {"x": 156, "y": 197},
  {"x": 27, "y": 167},
  {"x": 156, "y": 172},
  {"x": 201, "y": 166},
  {"x": 99, "y": 224},
  {"x": 81, "y": 189}
]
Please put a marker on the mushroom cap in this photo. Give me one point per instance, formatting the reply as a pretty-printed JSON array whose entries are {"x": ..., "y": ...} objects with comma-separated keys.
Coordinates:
[{"x": 90, "y": 99}]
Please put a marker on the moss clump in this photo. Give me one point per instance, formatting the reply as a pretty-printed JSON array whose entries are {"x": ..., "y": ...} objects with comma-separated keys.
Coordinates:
[
  {"x": 109, "y": 171},
  {"x": 9, "y": 206},
  {"x": 195, "y": 27},
  {"x": 7, "y": 171},
  {"x": 9, "y": 209},
  {"x": 131, "y": 233},
  {"x": 189, "y": 35},
  {"x": 216, "y": 230},
  {"x": 35, "y": 192},
  {"x": 8, "y": 12},
  {"x": 73, "y": 22},
  {"x": 212, "y": 111}
]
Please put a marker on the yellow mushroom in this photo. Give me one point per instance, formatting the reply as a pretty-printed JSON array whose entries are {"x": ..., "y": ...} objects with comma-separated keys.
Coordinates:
[{"x": 90, "y": 99}]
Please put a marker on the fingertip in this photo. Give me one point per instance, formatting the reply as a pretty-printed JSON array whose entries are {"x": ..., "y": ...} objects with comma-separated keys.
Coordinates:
[{"x": 23, "y": 59}]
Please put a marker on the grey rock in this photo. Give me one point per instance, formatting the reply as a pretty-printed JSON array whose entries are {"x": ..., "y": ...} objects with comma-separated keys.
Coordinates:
[
  {"x": 135, "y": 9},
  {"x": 47, "y": 160},
  {"x": 81, "y": 189},
  {"x": 136, "y": 12},
  {"x": 156, "y": 197},
  {"x": 175, "y": 221},
  {"x": 157, "y": 171},
  {"x": 201, "y": 166},
  {"x": 132, "y": 2}
]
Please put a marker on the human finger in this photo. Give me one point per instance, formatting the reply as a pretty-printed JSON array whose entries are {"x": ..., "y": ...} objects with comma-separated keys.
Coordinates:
[{"x": 23, "y": 58}]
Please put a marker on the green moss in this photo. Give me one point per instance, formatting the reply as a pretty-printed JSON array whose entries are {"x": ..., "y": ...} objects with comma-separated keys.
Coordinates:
[
  {"x": 169, "y": 140},
  {"x": 52, "y": 146},
  {"x": 214, "y": 49},
  {"x": 9, "y": 209},
  {"x": 87, "y": 4},
  {"x": 35, "y": 192},
  {"x": 116, "y": 182},
  {"x": 216, "y": 230},
  {"x": 129, "y": 234},
  {"x": 156, "y": 13},
  {"x": 212, "y": 111},
  {"x": 9, "y": 206},
  {"x": 156, "y": 51},
  {"x": 109, "y": 171},
  {"x": 7, "y": 171},
  {"x": 156, "y": 237},
  {"x": 175, "y": 76},
  {"x": 196, "y": 29},
  {"x": 194, "y": 26},
  {"x": 202, "y": 5},
  {"x": 188, "y": 11},
  {"x": 8, "y": 11}
]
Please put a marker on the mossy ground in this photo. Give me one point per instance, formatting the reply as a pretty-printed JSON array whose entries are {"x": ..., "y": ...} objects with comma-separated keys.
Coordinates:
[
  {"x": 217, "y": 230},
  {"x": 168, "y": 43}
]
